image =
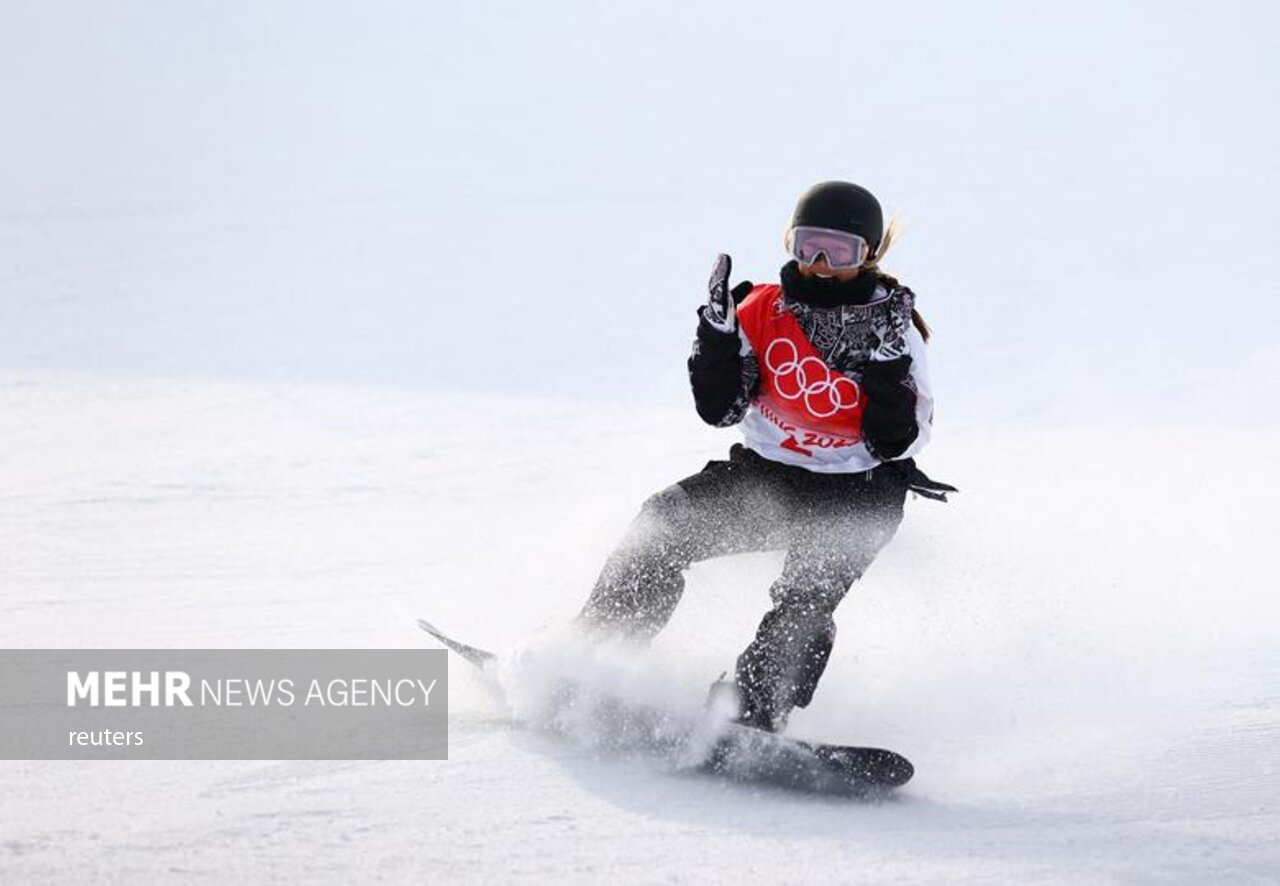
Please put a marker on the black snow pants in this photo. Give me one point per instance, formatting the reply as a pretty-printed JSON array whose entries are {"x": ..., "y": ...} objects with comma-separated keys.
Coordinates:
[{"x": 830, "y": 525}]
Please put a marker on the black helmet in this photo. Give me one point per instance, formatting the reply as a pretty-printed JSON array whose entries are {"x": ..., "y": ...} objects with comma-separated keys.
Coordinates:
[{"x": 841, "y": 206}]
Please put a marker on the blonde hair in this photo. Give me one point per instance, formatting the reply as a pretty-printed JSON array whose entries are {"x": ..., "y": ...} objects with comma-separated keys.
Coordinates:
[{"x": 891, "y": 233}]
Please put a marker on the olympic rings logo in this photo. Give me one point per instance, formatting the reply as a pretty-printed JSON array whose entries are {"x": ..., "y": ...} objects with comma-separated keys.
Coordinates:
[{"x": 825, "y": 392}]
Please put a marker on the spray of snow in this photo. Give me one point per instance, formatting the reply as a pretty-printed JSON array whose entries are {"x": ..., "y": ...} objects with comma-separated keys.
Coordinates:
[{"x": 606, "y": 697}]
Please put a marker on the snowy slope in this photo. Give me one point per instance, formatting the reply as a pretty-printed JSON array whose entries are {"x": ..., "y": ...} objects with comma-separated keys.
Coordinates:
[{"x": 1079, "y": 652}]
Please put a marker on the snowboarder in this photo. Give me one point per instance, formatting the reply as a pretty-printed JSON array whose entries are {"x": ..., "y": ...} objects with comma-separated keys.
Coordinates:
[{"x": 826, "y": 374}]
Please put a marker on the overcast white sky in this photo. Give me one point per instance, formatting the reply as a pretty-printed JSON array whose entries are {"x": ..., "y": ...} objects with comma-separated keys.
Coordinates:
[{"x": 526, "y": 198}]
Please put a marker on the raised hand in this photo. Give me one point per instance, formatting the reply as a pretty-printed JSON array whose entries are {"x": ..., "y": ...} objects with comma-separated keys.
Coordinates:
[{"x": 721, "y": 311}]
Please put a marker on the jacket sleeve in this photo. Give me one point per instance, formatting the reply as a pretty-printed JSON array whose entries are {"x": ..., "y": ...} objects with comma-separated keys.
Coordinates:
[
  {"x": 918, "y": 380},
  {"x": 723, "y": 373},
  {"x": 898, "y": 415},
  {"x": 899, "y": 404}
]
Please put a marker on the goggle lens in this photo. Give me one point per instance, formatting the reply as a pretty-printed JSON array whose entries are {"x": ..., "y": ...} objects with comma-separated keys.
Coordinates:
[{"x": 841, "y": 249}]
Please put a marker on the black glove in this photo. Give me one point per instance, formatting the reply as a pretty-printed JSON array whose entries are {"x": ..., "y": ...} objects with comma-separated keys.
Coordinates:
[
  {"x": 721, "y": 301},
  {"x": 889, "y": 416}
]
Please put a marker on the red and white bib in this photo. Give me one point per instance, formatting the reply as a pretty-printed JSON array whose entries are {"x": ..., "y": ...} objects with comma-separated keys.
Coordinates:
[{"x": 812, "y": 406}]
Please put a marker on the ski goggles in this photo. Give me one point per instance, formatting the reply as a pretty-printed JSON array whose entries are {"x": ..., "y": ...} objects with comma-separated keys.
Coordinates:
[{"x": 841, "y": 249}]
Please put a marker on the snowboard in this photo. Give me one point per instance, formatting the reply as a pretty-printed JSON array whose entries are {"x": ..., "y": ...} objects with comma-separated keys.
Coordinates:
[{"x": 753, "y": 756}]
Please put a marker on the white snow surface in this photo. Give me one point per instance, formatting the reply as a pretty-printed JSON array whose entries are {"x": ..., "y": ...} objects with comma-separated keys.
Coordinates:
[{"x": 1079, "y": 655}]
